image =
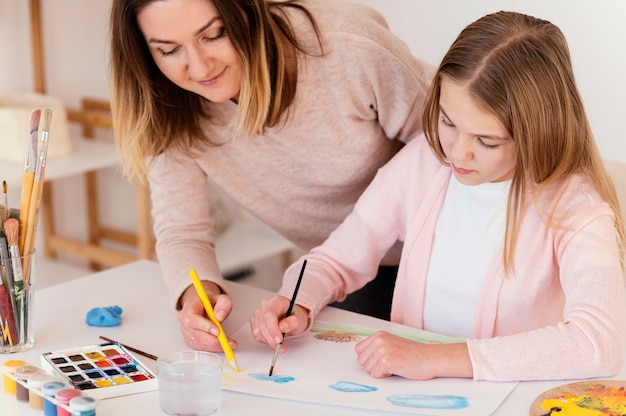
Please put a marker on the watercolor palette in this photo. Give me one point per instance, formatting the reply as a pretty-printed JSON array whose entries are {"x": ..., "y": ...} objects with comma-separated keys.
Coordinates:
[
  {"x": 589, "y": 397},
  {"x": 101, "y": 371}
]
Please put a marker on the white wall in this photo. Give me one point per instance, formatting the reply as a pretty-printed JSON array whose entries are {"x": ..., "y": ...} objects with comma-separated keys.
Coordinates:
[{"x": 75, "y": 42}]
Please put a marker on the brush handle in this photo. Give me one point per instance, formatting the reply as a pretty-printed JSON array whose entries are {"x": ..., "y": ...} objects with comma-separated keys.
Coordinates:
[
  {"x": 221, "y": 337},
  {"x": 27, "y": 189},
  {"x": 8, "y": 331}
]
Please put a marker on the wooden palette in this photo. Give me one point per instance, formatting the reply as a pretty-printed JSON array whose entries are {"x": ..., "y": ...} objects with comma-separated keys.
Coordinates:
[{"x": 583, "y": 398}]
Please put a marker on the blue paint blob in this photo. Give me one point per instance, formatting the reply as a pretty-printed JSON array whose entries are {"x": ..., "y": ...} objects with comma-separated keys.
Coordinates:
[
  {"x": 350, "y": 387},
  {"x": 426, "y": 401},
  {"x": 274, "y": 377}
]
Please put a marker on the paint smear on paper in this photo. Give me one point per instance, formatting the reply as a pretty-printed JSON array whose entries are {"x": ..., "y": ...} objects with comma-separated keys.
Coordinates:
[
  {"x": 276, "y": 378},
  {"x": 350, "y": 387},
  {"x": 428, "y": 401}
]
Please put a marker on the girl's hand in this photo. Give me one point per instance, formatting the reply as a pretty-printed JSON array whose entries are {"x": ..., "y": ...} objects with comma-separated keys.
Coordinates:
[
  {"x": 268, "y": 322},
  {"x": 198, "y": 331},
  {"x": 384, "y": 355}
]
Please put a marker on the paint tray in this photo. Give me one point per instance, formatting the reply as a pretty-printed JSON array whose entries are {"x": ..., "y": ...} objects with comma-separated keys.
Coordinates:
[{"x": 101, "y": 371}]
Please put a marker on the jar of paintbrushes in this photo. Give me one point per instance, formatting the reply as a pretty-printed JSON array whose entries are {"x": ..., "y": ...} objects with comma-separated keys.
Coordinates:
[
  {"x": 17, "y": 242},
  {"x": 16, "y": 292}
]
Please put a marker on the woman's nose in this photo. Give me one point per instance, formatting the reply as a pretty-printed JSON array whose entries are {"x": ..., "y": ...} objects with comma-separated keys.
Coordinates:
[{"x": 199, "y": 64}]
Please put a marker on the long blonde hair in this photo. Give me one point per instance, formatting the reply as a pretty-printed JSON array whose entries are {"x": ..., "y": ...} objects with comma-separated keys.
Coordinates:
[
  {"x": 151, "y": 114},
  {"x": 519, "y": 68}
]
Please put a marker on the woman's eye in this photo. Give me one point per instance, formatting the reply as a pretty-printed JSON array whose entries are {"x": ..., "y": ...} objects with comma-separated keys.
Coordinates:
[
  {"x": 167, "y": 53},
  {"x": 220, "y": 33}
]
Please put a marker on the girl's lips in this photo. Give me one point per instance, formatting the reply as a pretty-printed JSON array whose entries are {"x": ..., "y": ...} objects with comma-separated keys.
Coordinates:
[
  {"x": 461, "y": 171},
  {"x": 214, "y": 80}
]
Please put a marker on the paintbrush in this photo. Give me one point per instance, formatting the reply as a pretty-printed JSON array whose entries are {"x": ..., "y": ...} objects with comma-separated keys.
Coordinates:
[
  {"x": 7, "y": 322},
  {"x": 11, "y": 229},
  {"x": 35, "y": 196},
  {"x": 129, "y": 348},
  {"x": 221, "y": 336},
  {"x": 30, "y": 166},
  {"x": 287, "y": 314},
  {"x": 4, "y": 214},
  {"x": 7, "y": 300}
]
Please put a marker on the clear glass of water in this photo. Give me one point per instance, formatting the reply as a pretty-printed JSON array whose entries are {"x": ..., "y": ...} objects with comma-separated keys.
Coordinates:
[{"x": 190, "y": 383}]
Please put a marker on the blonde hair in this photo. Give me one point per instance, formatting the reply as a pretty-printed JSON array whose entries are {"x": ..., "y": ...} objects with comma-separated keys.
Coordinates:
[
  {"x": 151, "y": 114},
  {"x": 519, "y": 68}
]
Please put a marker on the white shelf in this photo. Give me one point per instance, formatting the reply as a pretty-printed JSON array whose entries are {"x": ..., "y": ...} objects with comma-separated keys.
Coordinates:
[{"x": 87, "y": 155}]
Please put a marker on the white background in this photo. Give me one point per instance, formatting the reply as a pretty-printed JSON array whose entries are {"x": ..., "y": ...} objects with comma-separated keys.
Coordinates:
[{"x": 76, "y": 53}]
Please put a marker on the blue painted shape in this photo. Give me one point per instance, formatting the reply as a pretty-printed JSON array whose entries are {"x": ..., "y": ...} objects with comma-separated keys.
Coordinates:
[
  {"x": 274, "y": 377},
  {"x": 429, "y": 401},
  {"x": 350, "y": 387}
]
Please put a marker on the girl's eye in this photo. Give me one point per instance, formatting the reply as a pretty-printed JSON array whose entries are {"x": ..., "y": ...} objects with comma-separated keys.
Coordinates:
[
  {"x": 485, "y": 145},
  {"x": 446, "y": 122}
]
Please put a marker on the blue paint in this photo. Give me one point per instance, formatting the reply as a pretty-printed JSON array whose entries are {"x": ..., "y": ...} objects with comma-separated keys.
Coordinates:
[
  {"x": 274, "y": 377},
  {"x": 427, "y": 401},
  {"x": 350, "y": 387}
]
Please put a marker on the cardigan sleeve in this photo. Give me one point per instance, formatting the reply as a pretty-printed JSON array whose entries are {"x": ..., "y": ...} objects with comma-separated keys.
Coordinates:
[{"x": 589, "y": 340}]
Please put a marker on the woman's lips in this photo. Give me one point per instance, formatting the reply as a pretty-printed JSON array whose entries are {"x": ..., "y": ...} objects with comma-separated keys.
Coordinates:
[{"x": 214, "y": 80}]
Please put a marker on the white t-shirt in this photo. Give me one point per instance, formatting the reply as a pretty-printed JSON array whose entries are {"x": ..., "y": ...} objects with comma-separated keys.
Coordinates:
[{"x": 469, "y": 230}]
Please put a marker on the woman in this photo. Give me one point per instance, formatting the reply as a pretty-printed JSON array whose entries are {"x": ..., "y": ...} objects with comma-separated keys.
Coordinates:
[
  {"x": 513, "y": 233},
  {"x": 289, "y": 107}
]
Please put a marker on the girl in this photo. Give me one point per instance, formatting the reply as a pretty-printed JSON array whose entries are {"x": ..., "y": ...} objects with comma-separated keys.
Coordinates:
[
  {"x": 513, "y": 236},
  {"x": 289, "y": 107}
]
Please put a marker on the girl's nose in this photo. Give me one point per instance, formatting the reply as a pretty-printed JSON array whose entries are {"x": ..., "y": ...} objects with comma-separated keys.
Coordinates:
[{"x": 461, "y": 148}]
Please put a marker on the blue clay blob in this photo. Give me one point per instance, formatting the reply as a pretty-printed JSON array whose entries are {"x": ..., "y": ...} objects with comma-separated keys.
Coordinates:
[
  {"x": 350, "y": 387},
  {"x": 104, "y": 316}
]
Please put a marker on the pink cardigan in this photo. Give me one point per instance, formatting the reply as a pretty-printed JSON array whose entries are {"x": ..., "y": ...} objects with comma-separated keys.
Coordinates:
[{"x": 561, "y": 315}]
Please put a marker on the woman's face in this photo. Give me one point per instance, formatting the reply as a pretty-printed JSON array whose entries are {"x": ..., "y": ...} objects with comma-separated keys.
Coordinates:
[
  {"x": 474, "y": 141},
  {"x": 189, "y": 44}
]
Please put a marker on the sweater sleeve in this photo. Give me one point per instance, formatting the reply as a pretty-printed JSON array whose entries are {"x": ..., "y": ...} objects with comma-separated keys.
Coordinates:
[
  {"x": 182, "y": 224},
  {"x": 589, "y": 340}
]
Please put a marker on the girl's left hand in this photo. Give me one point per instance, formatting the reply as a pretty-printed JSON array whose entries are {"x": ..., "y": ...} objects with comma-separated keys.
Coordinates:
[{"x": 384, "y": 354}]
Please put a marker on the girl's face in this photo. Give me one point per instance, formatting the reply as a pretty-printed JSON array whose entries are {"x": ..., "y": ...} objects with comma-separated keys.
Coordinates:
[
  {"x": 475, "y": 143},
  {"x": 188, "y": 42}
]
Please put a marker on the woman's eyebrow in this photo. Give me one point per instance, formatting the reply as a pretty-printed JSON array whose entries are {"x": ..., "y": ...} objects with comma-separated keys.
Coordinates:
[{"x": 196, "y": 33}]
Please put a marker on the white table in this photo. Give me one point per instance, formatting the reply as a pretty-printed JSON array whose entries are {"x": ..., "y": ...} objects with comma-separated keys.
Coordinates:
[{"x": 149, "y": 324}]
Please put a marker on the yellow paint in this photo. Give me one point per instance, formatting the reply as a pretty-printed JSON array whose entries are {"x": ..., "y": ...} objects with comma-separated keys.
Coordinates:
[
  {"x": 8, "y": 367},
  {"x": 598, "y": 400},
  {"x": 103, "y": 383},
  {"x": 121, "y": 380}
]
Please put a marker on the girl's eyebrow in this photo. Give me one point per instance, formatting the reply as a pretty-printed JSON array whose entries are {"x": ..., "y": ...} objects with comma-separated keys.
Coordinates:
[
  {"x": 486, "y": 136},
  {"x": 196, "y": 33}
]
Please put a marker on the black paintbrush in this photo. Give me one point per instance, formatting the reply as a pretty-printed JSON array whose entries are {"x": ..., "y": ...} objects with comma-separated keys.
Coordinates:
[{"x": 289, "y": 310}]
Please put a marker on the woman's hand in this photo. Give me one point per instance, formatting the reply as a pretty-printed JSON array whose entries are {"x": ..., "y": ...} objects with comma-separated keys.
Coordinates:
[
  {"x": 268, "y": 322},
  {"x": 384, "y": 355},
  {"x": 198, "y": 331}
]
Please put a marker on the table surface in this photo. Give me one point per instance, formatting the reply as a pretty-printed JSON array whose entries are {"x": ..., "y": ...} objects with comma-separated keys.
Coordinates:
[{"x": 149, "y": 325}]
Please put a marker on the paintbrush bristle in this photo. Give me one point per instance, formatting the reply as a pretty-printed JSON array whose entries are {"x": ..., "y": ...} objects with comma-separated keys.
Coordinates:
[
  {"x": 12, "y": 230},
  {"x": 34, "y": 121}
]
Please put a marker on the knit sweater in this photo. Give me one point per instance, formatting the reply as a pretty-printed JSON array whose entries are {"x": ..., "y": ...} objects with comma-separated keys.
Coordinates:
[
  {"x": 560, "y": 315},
  {"x": 353, "y": 110}
]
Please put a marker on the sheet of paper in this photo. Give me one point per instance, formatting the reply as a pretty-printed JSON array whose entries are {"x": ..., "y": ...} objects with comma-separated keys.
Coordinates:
[{"x": 320, "y": 367}]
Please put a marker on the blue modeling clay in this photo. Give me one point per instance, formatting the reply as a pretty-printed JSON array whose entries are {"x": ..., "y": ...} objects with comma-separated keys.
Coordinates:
[{"x": 105, "y": 316}]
